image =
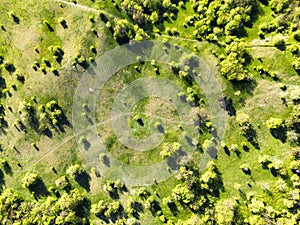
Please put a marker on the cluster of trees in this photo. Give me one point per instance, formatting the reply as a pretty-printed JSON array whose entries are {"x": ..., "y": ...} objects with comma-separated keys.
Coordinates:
[
  {"x": 233, "y": 63},
  {"x": 124, "y": 31},
  {"x": 69, "y": 208},
  {"x": 38, "y": 116},
  {"x": 145, "y": 13},
  {"x": 218, "y": 18}
]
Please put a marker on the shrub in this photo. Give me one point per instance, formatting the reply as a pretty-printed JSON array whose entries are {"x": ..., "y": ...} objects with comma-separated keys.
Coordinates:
[
  {"x": 92, "y": 18},
  {"x": 265, "y": 160},
  {"x": 245, "y": 168},
  {"x": 63, "y": 22},
  {"x": 93, "y": 49}
]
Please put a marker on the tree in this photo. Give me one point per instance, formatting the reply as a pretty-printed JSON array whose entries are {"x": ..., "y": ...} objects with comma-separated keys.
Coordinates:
[
  {"x": 297, "y": 35},
  {"x": 31, "y": 180},
  {"x": 74, "y": 202},
  {"x": 211, "y": 180},
  {"x": 123, "y": 30},
  {"x": 243, "y": 119},
  {"x": 182, "y": 194},
  {"x": 10, "y": 203},
  {"x": 100, "y": 208},
  {"x": 75, "y": 171},
  {"x": 63, "y": 183},
  {"x": 277, "y": 167},
  {"x": 256, "y": 206},
  {"x": 225, "y": 212},
  {"x": 274, "y": 123}
]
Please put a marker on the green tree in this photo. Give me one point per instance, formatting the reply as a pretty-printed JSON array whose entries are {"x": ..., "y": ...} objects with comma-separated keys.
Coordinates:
[
  {"x": 31, "y": 180},
  {"x": 225, "y": 212},
  {"x": 75, "y": 171}
]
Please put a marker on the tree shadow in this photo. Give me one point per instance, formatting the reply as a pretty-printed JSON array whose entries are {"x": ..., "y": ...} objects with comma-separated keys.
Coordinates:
[
  {"x": 2, "y": 181},
  {"x": 279, "y": 133},
  {"x": 86, "y": 144},
  {"x": 10, "y": 67},
  {"x": 155, "y": 207},
  {"x": 106, "y": 161},
  {"x": 161, "y": 129},
  {"x": 245, "y": 86},
  {"x": 50, "y": 28},
  {"x": 7, "y": 168},
  {"x": 226, "y": 150},
  {"x": 38, "y": 189},
  {"x": 118, "y": 215},
  {"x": 173, "y": 208},
  {"x": 84, "y": 181},
  {"x": 228, "y": 106},
  {"x": 251, "y": 136},
  {"x": 114, "y": 194},
  {"x": 16, "y": 19}
]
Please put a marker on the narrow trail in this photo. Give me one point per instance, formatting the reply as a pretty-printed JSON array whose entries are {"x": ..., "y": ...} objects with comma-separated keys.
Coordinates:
[
  {"x": 86, "y": 8},
  {"x": 77, "y": 5}
]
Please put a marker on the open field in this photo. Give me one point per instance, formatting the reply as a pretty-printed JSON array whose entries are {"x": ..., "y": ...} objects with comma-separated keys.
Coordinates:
[{"x": 68, "y": 142}]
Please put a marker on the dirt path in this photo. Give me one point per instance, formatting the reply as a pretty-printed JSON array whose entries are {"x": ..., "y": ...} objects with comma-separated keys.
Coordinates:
[
  {"x": 86, "y": 8},
  {"x": 77, "y": 5}
]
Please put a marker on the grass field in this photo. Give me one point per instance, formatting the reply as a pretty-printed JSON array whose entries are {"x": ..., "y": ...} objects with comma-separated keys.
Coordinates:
[{"x": 32, "y": 31}]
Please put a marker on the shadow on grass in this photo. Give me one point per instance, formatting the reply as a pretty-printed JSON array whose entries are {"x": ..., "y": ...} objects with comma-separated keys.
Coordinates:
[
  {"x": 279, "y": 133},
  {"x": 38, "y": 189},
  {"x": 245, "y": 86},
  {"x": 2, "y": 181},
  {"x": 84, "y": 181}
]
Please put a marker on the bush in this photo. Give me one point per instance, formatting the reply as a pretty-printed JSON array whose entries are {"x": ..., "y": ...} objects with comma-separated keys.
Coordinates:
[
  {"x": 63, "y": 22},
  {"x": 245, "y": 168}
]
